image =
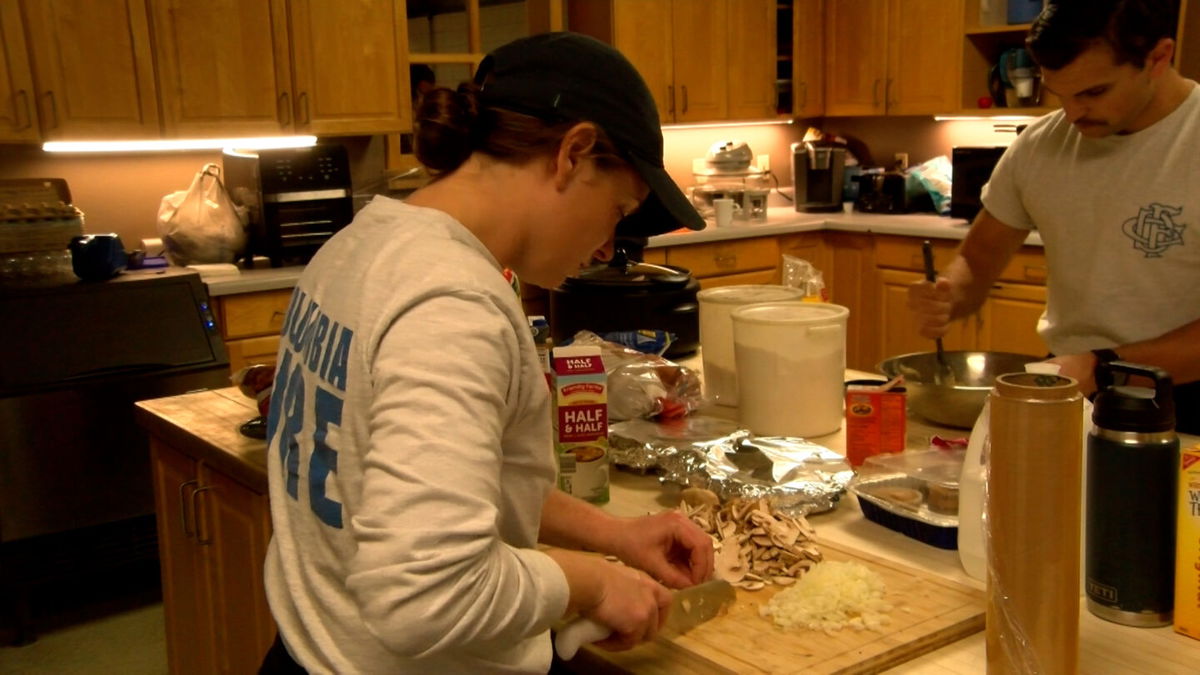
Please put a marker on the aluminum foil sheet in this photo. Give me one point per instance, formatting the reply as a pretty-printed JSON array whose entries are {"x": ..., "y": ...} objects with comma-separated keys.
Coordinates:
[{"x": 796, "y": 476}]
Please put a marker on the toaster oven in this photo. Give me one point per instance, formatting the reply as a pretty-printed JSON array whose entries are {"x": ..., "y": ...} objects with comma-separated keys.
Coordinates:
[{"x": 296, "y": 198}]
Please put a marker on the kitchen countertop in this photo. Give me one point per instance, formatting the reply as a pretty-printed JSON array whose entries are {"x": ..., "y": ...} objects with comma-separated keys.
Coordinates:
[
  {"x": 780, "y": 220},
  {"x": 205, "y": 423}
]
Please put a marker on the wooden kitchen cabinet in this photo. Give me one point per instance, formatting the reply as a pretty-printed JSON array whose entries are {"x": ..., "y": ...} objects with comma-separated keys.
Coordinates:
[
  {"x": 282, "y": 66},
  {"x": 702, "y": 60},
  {"x": 1007, "y": 320},
  {"x": 18, "y": 121},
  {"x": 213, "y": 533},
  {"x": 899, "y": 57},
  {"x": 808, "y": 67},
  {"x": 734, "y": 261},
  {"x": 250, "y": 325},
  {"x": 93, "y": 68}
]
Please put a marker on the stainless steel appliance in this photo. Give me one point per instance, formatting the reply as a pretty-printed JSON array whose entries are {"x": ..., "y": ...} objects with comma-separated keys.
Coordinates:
[
  {"x": 817, "y": 172},
  {"x": 727, "y": 172},
  {"x": 71, "y": 456},
  {"x": 297, "y": 198},
  {"x": 971, "y": 169}
]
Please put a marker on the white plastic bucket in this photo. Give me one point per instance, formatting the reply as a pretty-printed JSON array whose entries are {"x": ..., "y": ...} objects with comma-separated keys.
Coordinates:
[
  {"x": 791, "y": 361},
  {"x": 716, "y": 332}
]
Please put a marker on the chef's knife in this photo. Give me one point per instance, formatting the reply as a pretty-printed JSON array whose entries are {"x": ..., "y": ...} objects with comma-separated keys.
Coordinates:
[{"x": 690, "y": 607}]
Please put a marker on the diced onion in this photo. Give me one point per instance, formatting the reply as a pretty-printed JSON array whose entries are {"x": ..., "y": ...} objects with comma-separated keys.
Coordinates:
[{"x": 831, "y": 596}]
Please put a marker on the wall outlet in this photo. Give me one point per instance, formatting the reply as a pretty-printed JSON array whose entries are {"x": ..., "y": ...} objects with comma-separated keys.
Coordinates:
[
  {"x": 764, "y": 162},
  {"x": 901, "y": 160}
]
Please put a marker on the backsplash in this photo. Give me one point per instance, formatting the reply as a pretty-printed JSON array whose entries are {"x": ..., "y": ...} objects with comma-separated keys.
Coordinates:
[{"x": 121, "y": 193}]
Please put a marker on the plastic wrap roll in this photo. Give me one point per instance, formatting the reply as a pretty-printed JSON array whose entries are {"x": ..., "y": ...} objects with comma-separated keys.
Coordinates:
[{"x": 1033, "y": 512}]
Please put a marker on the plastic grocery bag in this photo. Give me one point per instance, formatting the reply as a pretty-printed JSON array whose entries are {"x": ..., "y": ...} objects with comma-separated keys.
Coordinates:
[{"x": 202, "y": 224}]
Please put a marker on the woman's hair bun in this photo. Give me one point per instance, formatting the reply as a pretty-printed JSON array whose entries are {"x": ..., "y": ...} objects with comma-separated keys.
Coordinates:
[{"x": 446, "y": 126}]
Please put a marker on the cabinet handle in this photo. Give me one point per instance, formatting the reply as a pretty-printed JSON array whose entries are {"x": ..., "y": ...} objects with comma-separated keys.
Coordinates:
[
  {"x": 1035, "y": 272},
  {"x": 200, "y": 539},
  {"x": 875, "y": 92},
  {"x": 183, "y": 509},
  {"x": 285, "y": 109},
  {"x": 302, "y": 99},
  {"x": 804, "y": 96},
  {"x": 728, "y": 260},
  {"x": 49, "y": 96},
  {"x": 684, "y": 99},
  {"x": 24, "y": 96}
]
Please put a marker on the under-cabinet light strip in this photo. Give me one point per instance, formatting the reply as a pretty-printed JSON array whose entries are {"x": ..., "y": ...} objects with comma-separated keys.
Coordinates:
[
  {"x": 259, "y": 143},
  {"x": 715, "y": 125},
  {"x": 984, "y": 118}
]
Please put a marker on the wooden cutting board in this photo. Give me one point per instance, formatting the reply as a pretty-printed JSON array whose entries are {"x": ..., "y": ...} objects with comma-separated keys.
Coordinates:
[{"x": 927, "y": 612}]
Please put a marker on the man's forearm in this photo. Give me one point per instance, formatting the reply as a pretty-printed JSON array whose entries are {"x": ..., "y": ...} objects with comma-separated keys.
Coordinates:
[
  {"x": 984, "y": 252},
  {"x": 1177, "y": 352}
]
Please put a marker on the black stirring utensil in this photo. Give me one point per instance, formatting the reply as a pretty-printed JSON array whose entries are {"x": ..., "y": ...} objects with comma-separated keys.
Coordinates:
[{"x": 939, "y": 373}]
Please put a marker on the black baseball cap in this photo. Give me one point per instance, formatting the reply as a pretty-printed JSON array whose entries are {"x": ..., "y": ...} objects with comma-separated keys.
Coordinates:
[{"x": 572, "y": 76}]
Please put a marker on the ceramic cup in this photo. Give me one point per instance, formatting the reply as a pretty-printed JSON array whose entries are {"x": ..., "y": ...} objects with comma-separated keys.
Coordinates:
[{"x": 724, "y": 211}]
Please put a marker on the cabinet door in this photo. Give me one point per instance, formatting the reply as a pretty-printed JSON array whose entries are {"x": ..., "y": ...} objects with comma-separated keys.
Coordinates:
[
  {"x": 185, "y": 585},
  {"x": 236, "y": 547},
  {"x": 350, "y": 66},
  {"x": 751, "y": 71},
  {"x": 17, "y": 120},
  {"x": 224, "y": 67},
  {"x": 93, "y": 68},
  {"x": 856, "y": 53},
  {"x": 852, "y": 259},
  {"x": 641, "y": 30},
  {"x": 699, "y": 29},
  {"x": 898, "y": 330},
  {"x": 924, "y": 56},
  {"x": 808, "y": 66},
  {"x": 1008, "y": 320}
]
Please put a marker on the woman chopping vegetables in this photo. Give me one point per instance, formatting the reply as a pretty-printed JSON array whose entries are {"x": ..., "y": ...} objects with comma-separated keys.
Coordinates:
[{"x": 410, "y": 455}]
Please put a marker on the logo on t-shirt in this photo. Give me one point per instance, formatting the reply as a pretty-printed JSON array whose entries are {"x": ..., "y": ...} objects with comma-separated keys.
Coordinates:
[{"x": 1155, "y": 230}]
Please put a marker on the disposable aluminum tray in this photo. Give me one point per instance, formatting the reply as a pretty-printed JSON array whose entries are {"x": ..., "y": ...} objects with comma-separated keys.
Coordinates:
[{"x": 919, "y": 522}]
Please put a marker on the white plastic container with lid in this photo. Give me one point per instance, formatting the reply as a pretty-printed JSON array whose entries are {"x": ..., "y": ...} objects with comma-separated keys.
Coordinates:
[
  {"x": 791, "y": 361},
  {"x": 716, "y": 332},
  {"x": 972, "y": 533}
]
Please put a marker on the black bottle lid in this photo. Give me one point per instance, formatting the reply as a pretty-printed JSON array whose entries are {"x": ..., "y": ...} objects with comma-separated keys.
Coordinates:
[{"x": 1122, "y": 407}]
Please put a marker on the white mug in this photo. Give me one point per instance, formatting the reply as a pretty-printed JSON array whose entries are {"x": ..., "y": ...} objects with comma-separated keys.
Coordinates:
[{"x": 724, "y": 211}]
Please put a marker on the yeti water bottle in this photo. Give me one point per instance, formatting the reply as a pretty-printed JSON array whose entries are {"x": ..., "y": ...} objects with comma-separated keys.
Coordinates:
[{"x": 1133, "y": 453}]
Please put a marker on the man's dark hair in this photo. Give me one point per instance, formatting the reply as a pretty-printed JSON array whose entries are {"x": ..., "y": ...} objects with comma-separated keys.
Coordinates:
[{"x": 1132, "y": 28}]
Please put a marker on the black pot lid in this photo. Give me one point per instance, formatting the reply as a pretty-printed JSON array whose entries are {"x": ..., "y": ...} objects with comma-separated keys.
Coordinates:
[{"x": 635, "y": 274}]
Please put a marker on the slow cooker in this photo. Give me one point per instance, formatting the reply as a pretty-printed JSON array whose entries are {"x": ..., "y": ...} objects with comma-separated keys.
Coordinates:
[{"x": 626, "y": 296}]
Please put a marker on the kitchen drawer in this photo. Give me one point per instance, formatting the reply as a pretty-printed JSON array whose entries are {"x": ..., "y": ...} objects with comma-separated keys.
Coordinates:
[
  {"x": 905, "y": 252},
  {"x": 756, "y": 277},
  {"x": 251, "y": 351},
  {"x": 253, "y": 314},
  {"x": 1028, "y": 264},
  {"x": 726, "y": 257}
]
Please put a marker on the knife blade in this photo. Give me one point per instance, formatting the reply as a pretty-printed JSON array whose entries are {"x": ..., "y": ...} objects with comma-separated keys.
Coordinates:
[{"x": 690, "y": 607}]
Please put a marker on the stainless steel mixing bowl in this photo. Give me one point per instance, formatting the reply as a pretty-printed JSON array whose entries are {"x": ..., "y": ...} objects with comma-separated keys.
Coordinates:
[{"x": 957, "y": 400}]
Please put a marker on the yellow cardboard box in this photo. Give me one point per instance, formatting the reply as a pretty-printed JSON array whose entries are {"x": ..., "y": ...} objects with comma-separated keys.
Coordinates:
[{"x": 1187, "y": 546}]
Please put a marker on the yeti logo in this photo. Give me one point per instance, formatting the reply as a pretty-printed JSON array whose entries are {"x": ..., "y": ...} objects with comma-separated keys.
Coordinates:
[{"x": 1155, "y": 230}]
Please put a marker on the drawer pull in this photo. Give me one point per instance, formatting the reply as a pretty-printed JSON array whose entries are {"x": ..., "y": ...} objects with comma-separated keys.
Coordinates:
[
  {"x": 183, "y": 509},
  {"x": 200, "y": 539},
  {"x": 1035, "y": 272}
]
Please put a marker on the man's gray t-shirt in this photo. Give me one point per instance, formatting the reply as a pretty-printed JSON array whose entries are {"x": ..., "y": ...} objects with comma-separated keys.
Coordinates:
[{"x": 1119, "y": 219}]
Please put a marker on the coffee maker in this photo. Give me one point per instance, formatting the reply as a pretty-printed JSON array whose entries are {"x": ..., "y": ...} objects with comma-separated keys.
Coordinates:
[{"x": 817, "y": 173}]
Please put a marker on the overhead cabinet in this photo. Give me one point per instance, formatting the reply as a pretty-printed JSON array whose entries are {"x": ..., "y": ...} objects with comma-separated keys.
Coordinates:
[
  {"x": 93, "y": 69},
  {"x": 808, "y": 66},
  {"x": 18, "y": 121},
  {"x": 894, "y": 57},
  {"x": 703, "y": 60},
  {"x": 238, "y": 67},
  {"x": 124, "y": 69}
]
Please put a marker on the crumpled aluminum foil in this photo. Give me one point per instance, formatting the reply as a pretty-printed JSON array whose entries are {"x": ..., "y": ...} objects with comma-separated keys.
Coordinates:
[{"x": 796, "y": 476}]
